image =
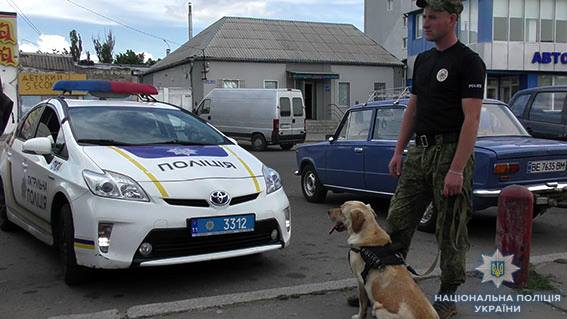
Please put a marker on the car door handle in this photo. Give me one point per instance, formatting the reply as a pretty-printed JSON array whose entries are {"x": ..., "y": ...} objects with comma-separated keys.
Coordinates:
[{"x": 358, "y": 149}]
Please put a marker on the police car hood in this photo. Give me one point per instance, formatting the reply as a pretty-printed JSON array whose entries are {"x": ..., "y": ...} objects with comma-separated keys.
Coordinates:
[{"x": 175, "y": 162}]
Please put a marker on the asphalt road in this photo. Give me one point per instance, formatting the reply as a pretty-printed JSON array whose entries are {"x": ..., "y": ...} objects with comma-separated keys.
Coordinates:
[{"x": 31, "y": 284}]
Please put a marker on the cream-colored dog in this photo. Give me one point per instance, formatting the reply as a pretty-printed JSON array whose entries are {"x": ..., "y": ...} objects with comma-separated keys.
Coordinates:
[{"x": 391, "y": 290}]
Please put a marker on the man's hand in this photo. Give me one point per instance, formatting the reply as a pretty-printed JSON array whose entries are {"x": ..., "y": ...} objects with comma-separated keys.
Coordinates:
[
  {"x": 453, "y": 183},
  {"x": 395, "y": 166}
]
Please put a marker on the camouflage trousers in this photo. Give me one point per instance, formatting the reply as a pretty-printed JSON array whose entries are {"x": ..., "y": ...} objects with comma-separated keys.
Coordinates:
[{"x": 421, "y": 183}]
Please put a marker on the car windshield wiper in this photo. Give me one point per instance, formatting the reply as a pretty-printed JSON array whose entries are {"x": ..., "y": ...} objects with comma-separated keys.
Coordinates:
[{"x": 105, "y": 142}]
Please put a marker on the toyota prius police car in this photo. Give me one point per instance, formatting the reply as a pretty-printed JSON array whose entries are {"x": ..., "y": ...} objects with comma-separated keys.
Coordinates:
[{"x": 116, "y": 184}]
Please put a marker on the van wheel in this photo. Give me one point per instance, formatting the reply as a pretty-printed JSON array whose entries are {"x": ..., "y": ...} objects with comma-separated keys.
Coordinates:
[
  {"x": 259, "y": 142},
  {"x": 286, "y": 147},
  {"x": 428, "y": 221},
  {"x": 311, "y": 187},
  {"x": 5, "y": 224},
  {"x": 73, "y": 274}
]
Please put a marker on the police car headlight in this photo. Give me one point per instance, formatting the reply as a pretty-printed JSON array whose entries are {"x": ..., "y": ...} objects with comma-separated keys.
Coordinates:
[
  {"x": 272, "y": 178},
  {"x": 114, "y": 185}
]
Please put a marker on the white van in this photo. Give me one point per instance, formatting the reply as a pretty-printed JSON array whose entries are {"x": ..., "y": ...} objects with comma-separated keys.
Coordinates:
[{"x": 262, "y": 116}]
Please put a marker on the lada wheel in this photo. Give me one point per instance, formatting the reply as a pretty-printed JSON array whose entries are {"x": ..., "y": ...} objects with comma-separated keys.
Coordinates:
[
  {"x": 5, "y": 224},
  {"x": 73, "y": 274},
  {"x": 259, "y": 142},
  {"x": 428, "y": 221},
  {"x": 311, "y": 187}
]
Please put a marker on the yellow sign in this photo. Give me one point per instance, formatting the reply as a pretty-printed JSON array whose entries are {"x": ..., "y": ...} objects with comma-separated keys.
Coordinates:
[
  {"x": 40, "y": 83},
  {"x": 8, "y": 40}
]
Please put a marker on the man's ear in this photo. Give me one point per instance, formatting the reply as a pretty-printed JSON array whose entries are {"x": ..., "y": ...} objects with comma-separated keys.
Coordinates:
[{"x": 357, "y": 220}]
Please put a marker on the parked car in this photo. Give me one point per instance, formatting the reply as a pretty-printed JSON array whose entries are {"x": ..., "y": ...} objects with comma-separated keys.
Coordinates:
[
  {"x": 356, "y": 158},
  {"x": 542, "y": 111},
  {"x": 262, "y": 116},
  {"x": 119, "y": 184}
]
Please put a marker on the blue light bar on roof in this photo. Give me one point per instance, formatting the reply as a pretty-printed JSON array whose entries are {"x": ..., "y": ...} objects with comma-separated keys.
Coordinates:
[{"x": 102, "y": 86}]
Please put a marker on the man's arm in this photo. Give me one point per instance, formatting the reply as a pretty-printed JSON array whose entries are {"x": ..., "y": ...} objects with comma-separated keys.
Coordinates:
[
  {"x": 406, "y": 132},
  {"x": 465, "y": 148}
]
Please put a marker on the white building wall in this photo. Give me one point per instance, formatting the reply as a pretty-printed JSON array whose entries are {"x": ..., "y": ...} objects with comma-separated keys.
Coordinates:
[{"x": 361, "y": 79}]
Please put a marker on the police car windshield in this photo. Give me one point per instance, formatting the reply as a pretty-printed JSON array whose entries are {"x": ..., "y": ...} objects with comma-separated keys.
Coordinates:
[
  {"x": 140, "y": 126},
  {"x": 497, "y": 120}
]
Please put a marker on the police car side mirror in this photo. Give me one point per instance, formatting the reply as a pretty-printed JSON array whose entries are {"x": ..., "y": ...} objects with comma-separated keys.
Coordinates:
[{"x": 38, "y": 146}]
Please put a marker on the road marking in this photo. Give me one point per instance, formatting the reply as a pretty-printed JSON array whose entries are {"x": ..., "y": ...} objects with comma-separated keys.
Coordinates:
[{"x": 108, "y": 314}]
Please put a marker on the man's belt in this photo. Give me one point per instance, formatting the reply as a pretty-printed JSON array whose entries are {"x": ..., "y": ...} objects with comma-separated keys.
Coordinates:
[{"x": 427, "y": 140}]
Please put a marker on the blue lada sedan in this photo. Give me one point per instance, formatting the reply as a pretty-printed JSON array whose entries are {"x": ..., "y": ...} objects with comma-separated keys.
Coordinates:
[{"x": 356, "y": 158}]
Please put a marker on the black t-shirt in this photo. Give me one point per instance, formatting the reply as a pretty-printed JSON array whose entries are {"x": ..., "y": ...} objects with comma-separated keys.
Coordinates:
[{"x": 440, "y": 80}]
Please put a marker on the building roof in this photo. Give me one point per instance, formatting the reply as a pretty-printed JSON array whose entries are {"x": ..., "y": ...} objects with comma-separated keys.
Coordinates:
[
  {"x": 47, "y": 61},
  {"x": 280, "y": 41}
]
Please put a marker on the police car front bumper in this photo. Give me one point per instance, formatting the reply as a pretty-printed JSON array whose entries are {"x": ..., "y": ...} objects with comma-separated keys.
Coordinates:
[{"x": 133, "y": 223}]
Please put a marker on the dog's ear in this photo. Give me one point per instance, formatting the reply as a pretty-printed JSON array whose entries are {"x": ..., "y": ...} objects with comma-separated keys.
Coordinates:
[{"x": 357, "y": 220}]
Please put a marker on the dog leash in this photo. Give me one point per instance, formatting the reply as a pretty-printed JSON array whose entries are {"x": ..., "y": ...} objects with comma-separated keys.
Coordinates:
[{"x": 428, "y": 271}]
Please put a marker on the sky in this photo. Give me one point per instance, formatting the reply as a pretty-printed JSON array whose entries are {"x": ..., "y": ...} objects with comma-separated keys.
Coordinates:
[{"x": 160, "y": 24}]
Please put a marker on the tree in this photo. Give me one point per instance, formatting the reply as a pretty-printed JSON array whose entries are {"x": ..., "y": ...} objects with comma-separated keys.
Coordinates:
[
  {"x": 76, "y": 45},
  {"x": 151, "y": 62},
  {"x": 104, "y": 50},
  {"x": 130, "y": 57}
]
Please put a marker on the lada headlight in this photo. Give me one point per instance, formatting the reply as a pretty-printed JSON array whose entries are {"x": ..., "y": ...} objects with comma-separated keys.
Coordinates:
[
  {"x": 114, "y": 185},
  {"x": 272, "y": 178}
]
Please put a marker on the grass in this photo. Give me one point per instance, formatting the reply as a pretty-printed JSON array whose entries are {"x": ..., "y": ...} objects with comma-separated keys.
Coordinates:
[{"x": 538, "y": 282}]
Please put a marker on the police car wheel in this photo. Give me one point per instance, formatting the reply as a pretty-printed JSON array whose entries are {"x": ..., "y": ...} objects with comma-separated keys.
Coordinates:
[
  {"x": 286, "y": 147},
  {"x": 428, "y": 221},
  {"x": 259, "y": 142},
  {"x": 73, "y": 274},
  {"x": 5, "y": 224},
  {"x": 311, "y": 187}
]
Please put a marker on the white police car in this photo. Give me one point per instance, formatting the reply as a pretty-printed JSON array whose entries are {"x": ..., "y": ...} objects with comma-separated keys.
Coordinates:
[{"x": 117, "y": 184}]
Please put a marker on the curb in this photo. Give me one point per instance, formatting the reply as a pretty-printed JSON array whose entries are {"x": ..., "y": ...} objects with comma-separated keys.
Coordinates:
[{"x": 181, "y": 306}]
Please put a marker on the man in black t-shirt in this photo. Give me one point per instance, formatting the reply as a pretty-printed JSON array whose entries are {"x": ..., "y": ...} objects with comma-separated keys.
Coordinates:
[{"x": 443, "y": 112}]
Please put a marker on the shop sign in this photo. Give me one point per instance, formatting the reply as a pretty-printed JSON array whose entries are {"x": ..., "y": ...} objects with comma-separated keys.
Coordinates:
[
  {"x": 549, "y": 58},
  {"x": 40, "y": 83}
]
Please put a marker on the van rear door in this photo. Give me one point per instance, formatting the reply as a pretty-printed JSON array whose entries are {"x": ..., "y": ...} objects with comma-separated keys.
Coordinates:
[
  {"x": 298, "y": 112},
  {"x": 286, "y": 117}
]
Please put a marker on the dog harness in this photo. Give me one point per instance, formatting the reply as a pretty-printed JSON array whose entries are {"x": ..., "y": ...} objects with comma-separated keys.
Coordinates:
[{"x": 378, "y": 257}]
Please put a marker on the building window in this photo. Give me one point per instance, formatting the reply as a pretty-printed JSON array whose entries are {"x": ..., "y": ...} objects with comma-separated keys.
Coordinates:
[
  {"x": 549, "y": 80},
  {"x": 405, "y": 18},
  {"x": 405, "y": 42},
  {"x": 547, "y": 15},
  {"x": 516, "y": 20},
  {"x": 464, "y": 20},
  {"x": 269, "y": 84},
  {"x": 560, "y": 80},
  {"x": 468, "y": 22},
  {"x": 500, "y": 20},
  {"x": 389, "y": 5},
  {"x": 379, "y": 90},
  {"x": 230, "y": 84},
  {"x": 418, "y": 26},
  {"x": 561, "y": 21},
  {"x": 473, "y": 32},
  {"x": 344, "y": 93},
  {"x": 532, "y": 15}
]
